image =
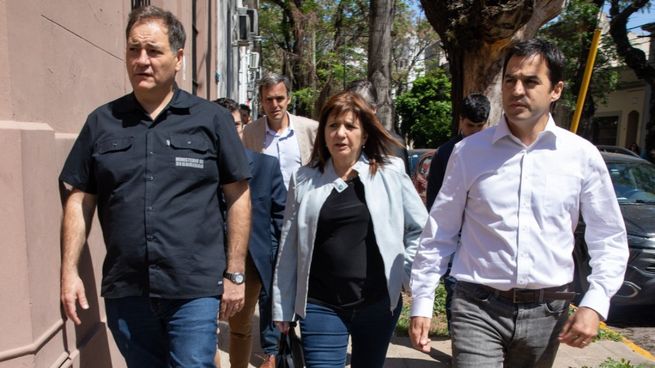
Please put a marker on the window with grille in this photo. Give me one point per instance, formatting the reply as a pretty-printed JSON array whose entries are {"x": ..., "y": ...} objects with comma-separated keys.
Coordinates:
[{"x": 139, "y": 3}]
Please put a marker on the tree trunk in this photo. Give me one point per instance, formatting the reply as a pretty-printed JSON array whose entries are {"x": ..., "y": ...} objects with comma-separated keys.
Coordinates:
[
  {"x": 298, "y": 63},
  {"x": 379, "y": 57},
  {"x": 475, "y": 37}
]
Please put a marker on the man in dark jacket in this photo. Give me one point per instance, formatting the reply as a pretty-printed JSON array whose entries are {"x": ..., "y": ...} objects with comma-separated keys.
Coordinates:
[
  {"x": 268, "y": 195},
  {"x": 475, "y": 112}
]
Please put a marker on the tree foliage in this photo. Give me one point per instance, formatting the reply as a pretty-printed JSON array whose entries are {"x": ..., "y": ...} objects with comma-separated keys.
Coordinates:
[
  {"x": 475, "y": 34},
  {"x": 336, "y": 36},
  {"x": 426, "y": 109},
  {"x": 620, "y": 12},
  {"x": 572, "y": 32},
  {"x": 413, "y": 39}
]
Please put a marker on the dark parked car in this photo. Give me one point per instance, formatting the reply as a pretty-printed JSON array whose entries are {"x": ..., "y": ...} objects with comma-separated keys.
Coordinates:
[{"x": 634, "y": 184}]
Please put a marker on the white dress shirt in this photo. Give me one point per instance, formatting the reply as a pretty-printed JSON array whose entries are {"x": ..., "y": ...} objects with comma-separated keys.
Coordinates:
[
  {"x": 517, "y": 207},
  {"x": 283, "y": 146}
]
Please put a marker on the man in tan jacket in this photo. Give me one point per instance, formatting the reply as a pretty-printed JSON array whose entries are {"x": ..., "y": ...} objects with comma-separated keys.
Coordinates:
[{"x": 285, "y": 136}]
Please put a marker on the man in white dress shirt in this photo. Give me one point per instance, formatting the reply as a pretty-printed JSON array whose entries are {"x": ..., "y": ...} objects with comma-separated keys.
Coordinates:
[{"x": 515, "y": 193}]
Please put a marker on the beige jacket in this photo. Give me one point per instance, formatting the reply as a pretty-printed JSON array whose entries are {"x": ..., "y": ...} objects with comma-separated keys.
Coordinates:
[{"x": 305, "y": 130}]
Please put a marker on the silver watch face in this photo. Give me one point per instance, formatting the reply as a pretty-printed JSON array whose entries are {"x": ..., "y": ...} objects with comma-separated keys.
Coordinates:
[{"x": 236, "y": 277}]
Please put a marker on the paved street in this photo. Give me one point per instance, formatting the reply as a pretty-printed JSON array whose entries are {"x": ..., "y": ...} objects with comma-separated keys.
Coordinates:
[
  {"x": 636, "y": 324},
  {"x": 401, "y": 355}
]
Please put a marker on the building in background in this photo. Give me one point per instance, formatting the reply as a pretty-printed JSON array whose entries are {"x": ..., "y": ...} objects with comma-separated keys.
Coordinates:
[
  {"x": 61, "y": 60},
  {"x": 622, "y": 120}
]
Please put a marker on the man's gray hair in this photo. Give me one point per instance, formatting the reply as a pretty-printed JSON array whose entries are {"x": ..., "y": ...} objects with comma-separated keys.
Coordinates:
[{"x": 272, "y": 79}]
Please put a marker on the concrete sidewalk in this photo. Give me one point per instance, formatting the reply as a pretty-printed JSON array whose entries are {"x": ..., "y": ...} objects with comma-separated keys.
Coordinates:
[{"x": 401, "y": 355}]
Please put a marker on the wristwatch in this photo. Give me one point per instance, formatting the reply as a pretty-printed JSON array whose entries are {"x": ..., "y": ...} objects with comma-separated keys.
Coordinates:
[{"x": 237, "y": 278}]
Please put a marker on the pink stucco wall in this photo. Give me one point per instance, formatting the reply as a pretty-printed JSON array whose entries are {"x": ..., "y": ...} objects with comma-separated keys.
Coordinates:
[{"x": 59, "y": 60}]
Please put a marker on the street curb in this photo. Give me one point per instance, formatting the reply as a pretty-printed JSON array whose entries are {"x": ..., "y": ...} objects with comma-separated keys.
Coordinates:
[{"x": 629, "y": 343}]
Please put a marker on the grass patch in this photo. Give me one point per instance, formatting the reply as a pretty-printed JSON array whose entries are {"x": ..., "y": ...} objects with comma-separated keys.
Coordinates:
[
  {"x": 611, "y": 363},
  {"x": 439, "y": 324},
  {"x": 604, "y": 333}
]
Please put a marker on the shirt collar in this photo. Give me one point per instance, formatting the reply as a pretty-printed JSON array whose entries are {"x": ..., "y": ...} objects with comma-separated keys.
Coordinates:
[
  {"x": 361, "y": 166},
  {"x": 288, "y": 132},
  {"x": 502, "y": 129},
  {"x": 180, "y": 100}
]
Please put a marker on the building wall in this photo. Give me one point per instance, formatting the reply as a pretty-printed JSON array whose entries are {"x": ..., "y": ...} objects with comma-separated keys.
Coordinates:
[
  {"x": 60, "y": 60},
  {"x": 631, "y": 96}
]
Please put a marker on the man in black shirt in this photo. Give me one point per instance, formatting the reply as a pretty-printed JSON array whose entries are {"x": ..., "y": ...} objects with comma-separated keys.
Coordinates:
[
  {"x": 475, "y": 112},
  {"x": 154, "y": 162}
]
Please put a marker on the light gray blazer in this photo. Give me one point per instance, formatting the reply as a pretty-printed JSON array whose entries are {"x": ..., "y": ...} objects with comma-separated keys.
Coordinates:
[
  {"x": 398, "y": 216},
  {"x": 305, "y": 130}
]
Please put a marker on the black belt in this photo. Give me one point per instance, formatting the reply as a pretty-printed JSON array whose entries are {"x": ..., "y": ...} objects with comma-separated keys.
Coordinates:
[{"x": 520, "y": 296}]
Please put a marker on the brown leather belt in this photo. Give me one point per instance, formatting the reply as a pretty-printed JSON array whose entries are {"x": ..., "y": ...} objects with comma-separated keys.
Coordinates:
[{"x": 521, "y": 296}]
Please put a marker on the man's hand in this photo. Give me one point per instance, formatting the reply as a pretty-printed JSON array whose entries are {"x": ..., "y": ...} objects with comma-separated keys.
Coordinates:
[
  {"x": 75, "y": 225},
  {"x": 580, "y": 328},
  {"x": 418, "y": 333},
  {"x": 72, "y": 291},
  {"x": 232, "y": 300}
]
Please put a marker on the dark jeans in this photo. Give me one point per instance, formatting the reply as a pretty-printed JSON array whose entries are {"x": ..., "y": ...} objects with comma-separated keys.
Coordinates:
[
  {"x": 325, "y": 335},
  {"x": 154, "y": 332},
  {"x": 449, "y": 284},
  {"x": 490, "y": 331},
  {"x": 269, "y": 335}
]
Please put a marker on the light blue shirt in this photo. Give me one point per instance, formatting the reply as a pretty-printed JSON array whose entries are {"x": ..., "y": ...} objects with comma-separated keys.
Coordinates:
[
  {"x": 397, "y": 213},
  {"x": 283, "y": 146}
]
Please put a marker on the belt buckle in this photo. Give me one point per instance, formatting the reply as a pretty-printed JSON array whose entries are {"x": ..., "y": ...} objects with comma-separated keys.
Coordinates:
[
  {"x": 514, "y": 296},
  {"x": 520, "y": 296}
]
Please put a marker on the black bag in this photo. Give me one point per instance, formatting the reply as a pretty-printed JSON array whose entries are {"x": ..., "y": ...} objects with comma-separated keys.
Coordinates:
[{"x": 289, "y": 354}]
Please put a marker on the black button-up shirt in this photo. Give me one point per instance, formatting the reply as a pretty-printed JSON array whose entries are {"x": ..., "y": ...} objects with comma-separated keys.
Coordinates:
[{"x": 157, "y": 185}]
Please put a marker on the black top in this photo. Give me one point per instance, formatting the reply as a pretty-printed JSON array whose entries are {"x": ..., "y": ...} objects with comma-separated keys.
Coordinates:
[
  {"x": 438, "y": 169},
  {"x": 347, "y": 269},
  {"x": 157, "y": 186}
]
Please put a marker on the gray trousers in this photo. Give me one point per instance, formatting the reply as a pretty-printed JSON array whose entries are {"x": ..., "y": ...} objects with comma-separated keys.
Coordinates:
[{"x": 488, "y": 331}]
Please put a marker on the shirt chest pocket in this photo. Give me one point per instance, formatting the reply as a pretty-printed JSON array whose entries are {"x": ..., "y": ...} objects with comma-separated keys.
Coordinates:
[
  {"x": 192, "y": 155},
  {"x": 115, "y": 159}
]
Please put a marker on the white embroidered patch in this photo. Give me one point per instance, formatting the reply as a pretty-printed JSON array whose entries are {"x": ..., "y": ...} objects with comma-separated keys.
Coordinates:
[{"x": 196, "y": 163}]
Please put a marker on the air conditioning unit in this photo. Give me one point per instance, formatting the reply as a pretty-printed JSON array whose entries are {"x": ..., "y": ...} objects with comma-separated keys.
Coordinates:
[
  {"x": 254, "y": 21},
  {"x": 248, "y": 24},
  {"x": 244, "y": 27},
  {"x": 253, "y": 60}
]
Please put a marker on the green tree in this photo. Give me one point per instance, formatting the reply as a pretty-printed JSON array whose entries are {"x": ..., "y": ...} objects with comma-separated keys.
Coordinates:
[
  {"x": 412, "y": 37},
  {"x": 572, "y": 33},
  {"x": 334, "y": 46},
  {"x": 319, "y": 44},
  {"x": 425, "y": 110},
  {"x": 620, "y": 12},
  {"x": 475, "y": 35}
]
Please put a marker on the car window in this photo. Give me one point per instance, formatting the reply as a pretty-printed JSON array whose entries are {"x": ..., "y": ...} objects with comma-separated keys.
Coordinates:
[{"x": 634, "y": 182}]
